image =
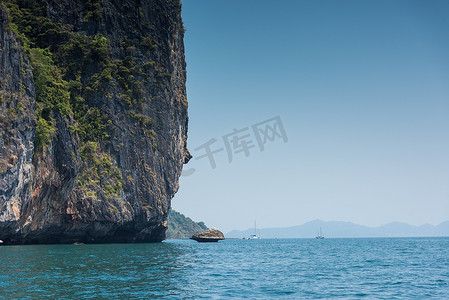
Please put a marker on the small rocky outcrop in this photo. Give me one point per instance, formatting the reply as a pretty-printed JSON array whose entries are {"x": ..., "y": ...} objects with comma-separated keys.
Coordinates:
[{"x": 211, "y": 235}]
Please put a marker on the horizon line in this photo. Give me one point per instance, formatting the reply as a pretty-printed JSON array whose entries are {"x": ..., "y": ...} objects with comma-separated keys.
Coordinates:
[{"x": 392, "y": 222}]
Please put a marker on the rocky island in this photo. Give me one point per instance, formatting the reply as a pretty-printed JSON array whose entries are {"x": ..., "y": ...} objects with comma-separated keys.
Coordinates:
[
  {"x": 208, "y": 236},
  {"x": 180, "y": 226},
  {"x": 93, "y": 119}
]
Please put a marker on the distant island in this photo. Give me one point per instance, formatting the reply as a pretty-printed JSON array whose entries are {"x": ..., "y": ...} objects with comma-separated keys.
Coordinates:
[
  {"x": 335, "y": 229},
  {"x": 180, "y": 226}
]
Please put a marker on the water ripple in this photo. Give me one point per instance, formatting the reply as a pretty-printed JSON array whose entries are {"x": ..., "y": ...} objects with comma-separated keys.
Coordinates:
[{"x": 394, "y": 268}]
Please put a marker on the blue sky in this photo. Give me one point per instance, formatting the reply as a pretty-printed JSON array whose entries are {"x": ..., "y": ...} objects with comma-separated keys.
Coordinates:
[{"x": 362, "y": 90}]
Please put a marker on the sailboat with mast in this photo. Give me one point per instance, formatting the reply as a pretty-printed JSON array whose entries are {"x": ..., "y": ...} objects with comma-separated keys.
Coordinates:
[
  {"x": 320, "y": 235},
  {"x": 254, "y": 236}
]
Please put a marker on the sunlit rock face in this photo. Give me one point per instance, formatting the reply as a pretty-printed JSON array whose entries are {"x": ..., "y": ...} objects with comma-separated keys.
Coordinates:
[
  {"x": 210, "y": 235},
  {"x": 93, "y": 119}
]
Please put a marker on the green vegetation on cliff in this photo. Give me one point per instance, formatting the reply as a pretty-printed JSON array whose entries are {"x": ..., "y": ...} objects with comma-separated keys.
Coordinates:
[
  {"x": 71, "y": 71},
  {"x": 180, "y": 226},
  {"x": 93, "y": 119}
]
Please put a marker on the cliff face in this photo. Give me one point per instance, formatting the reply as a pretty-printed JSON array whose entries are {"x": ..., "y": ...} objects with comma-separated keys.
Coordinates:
[{"x": 93, "y": 119}]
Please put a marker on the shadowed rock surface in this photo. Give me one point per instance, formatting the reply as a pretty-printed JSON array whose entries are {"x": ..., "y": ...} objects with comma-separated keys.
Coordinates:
[
  {"x": 93, "y": 119},
  {"x": 211, "y": 235}
]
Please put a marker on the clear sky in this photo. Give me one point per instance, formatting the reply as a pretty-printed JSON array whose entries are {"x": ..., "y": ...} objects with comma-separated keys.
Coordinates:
[{"x": 361, "y": 89}]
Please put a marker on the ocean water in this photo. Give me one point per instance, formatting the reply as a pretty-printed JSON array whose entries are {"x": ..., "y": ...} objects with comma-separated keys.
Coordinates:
[{"x": 380, "y": 268}]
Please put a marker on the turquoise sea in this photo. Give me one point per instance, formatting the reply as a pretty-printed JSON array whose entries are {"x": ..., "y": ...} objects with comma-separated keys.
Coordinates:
[{"x": 379, "y": 268}]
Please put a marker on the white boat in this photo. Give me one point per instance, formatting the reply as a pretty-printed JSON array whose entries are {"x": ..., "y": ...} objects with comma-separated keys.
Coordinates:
[
  {"x": 320, "y": 235},
  {"x": 254, "y": 236}
]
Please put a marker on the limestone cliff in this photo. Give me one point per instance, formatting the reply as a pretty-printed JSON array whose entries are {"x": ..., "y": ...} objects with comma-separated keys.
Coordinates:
[{"x": 93, "y": 119}]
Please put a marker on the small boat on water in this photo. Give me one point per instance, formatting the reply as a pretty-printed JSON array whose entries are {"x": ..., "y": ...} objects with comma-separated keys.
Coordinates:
[
  {"x": 320, "y": 235},
  {"x": 254, "y": 236}
]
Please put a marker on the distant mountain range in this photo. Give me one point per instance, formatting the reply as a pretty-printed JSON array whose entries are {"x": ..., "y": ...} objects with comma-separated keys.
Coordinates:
[{"x": 335, "y": 229}]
